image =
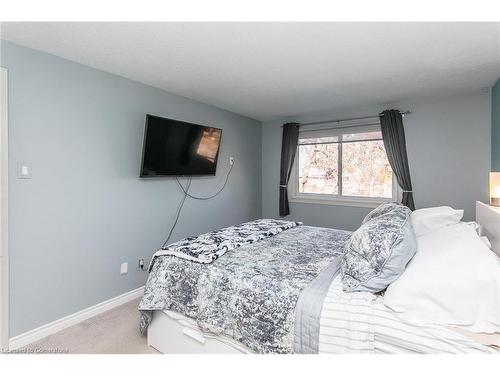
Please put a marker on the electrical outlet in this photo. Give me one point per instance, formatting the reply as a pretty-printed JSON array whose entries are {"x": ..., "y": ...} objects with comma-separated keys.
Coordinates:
[
  {"x": 231, "y": 160},
  {"x": 141, "y": 264},
  {"x": 124, "y": 268}
]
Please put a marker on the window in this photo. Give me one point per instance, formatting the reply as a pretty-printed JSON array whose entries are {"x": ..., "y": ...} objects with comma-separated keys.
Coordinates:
[{"x": 343, "y": 166}]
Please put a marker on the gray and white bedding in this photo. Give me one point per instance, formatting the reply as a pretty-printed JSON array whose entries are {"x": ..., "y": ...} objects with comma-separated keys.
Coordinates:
[
  {"x": 250, "y": 293},
  {"x": 308, "y": 310},
  {"x": 283, "y": 292},
  {"x": 208, "y": 247},
  {"x": 361, "y": 323}
]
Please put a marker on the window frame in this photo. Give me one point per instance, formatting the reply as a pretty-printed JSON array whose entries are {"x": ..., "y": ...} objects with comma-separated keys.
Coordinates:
[{"x": 338, "y": 199}]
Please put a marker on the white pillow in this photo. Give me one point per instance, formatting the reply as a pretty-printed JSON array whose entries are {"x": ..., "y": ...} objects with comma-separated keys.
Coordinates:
[
  {"x": 426, "y": 220},
  {"x": 453, "y": 279}
]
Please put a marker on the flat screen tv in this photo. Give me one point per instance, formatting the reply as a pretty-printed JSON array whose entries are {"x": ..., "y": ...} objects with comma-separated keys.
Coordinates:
[{"x": 177, "y": 148}]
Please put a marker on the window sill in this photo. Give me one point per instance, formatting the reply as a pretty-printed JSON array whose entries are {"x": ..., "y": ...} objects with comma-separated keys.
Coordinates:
[{"x": 348, "y": 202}]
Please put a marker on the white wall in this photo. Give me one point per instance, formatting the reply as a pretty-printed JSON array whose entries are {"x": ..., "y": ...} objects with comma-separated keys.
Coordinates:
[{"x": 448, "y": 141}]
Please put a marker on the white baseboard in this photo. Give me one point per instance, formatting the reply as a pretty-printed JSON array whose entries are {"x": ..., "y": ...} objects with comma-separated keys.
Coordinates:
[{"x": 70, "y": 320}]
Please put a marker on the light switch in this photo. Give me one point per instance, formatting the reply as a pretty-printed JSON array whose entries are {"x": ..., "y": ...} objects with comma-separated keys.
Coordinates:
[
  {"x": 124, "y": 269},
  {"x": 24, "y": 170}
]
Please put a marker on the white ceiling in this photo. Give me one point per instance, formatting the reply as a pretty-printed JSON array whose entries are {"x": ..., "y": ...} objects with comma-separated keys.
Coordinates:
[{"x": 270, "y": 70}]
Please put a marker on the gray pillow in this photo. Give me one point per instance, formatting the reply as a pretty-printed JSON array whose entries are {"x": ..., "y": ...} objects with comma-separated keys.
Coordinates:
[
  {"x": 378, "y": 252},
  {"x": 381, "y": 210}
]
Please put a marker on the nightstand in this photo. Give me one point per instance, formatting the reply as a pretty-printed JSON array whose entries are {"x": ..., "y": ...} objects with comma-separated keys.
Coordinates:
[{"x": 488, "y": 217}]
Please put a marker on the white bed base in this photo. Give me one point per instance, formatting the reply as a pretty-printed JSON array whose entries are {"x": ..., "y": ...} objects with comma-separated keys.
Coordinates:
[{"x": 170, "y": 333}]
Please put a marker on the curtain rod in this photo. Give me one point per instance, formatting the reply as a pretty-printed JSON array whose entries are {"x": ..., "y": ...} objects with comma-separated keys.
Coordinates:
[{"x": 403, "y": 113}]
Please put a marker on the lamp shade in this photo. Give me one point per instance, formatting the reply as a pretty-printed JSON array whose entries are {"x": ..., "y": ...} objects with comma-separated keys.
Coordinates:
[{"x": 495, "y": 188}]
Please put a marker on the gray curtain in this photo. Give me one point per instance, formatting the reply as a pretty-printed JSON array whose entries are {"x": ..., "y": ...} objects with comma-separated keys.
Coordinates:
[
  {"x": 393, "y": 134},
  {"x": 288, "y": 149}
]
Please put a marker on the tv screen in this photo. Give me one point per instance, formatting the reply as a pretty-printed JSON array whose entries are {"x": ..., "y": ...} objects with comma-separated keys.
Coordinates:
[{"x": 177, "y": 148}]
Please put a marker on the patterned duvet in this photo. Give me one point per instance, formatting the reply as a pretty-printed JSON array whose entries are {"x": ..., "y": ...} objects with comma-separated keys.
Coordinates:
[{"x": 250, "y": 293}]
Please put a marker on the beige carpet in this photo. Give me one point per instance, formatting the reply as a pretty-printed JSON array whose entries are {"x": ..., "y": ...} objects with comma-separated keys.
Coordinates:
[{"x": 113, "y": 332}]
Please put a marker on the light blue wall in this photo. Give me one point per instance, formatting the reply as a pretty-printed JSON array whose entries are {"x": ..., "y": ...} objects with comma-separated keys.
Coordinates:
[
  {"x": 495, "y": 127},
  {"x": 448, "y": 142},
  {"x": 85, "y": 210}
]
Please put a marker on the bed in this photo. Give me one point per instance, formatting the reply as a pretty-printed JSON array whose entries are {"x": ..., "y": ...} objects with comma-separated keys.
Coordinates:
[{"x": 279, "y": 288}]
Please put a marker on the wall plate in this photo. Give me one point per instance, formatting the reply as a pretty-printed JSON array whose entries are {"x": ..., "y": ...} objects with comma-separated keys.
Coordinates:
[{"x": 24, "y": 170}]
